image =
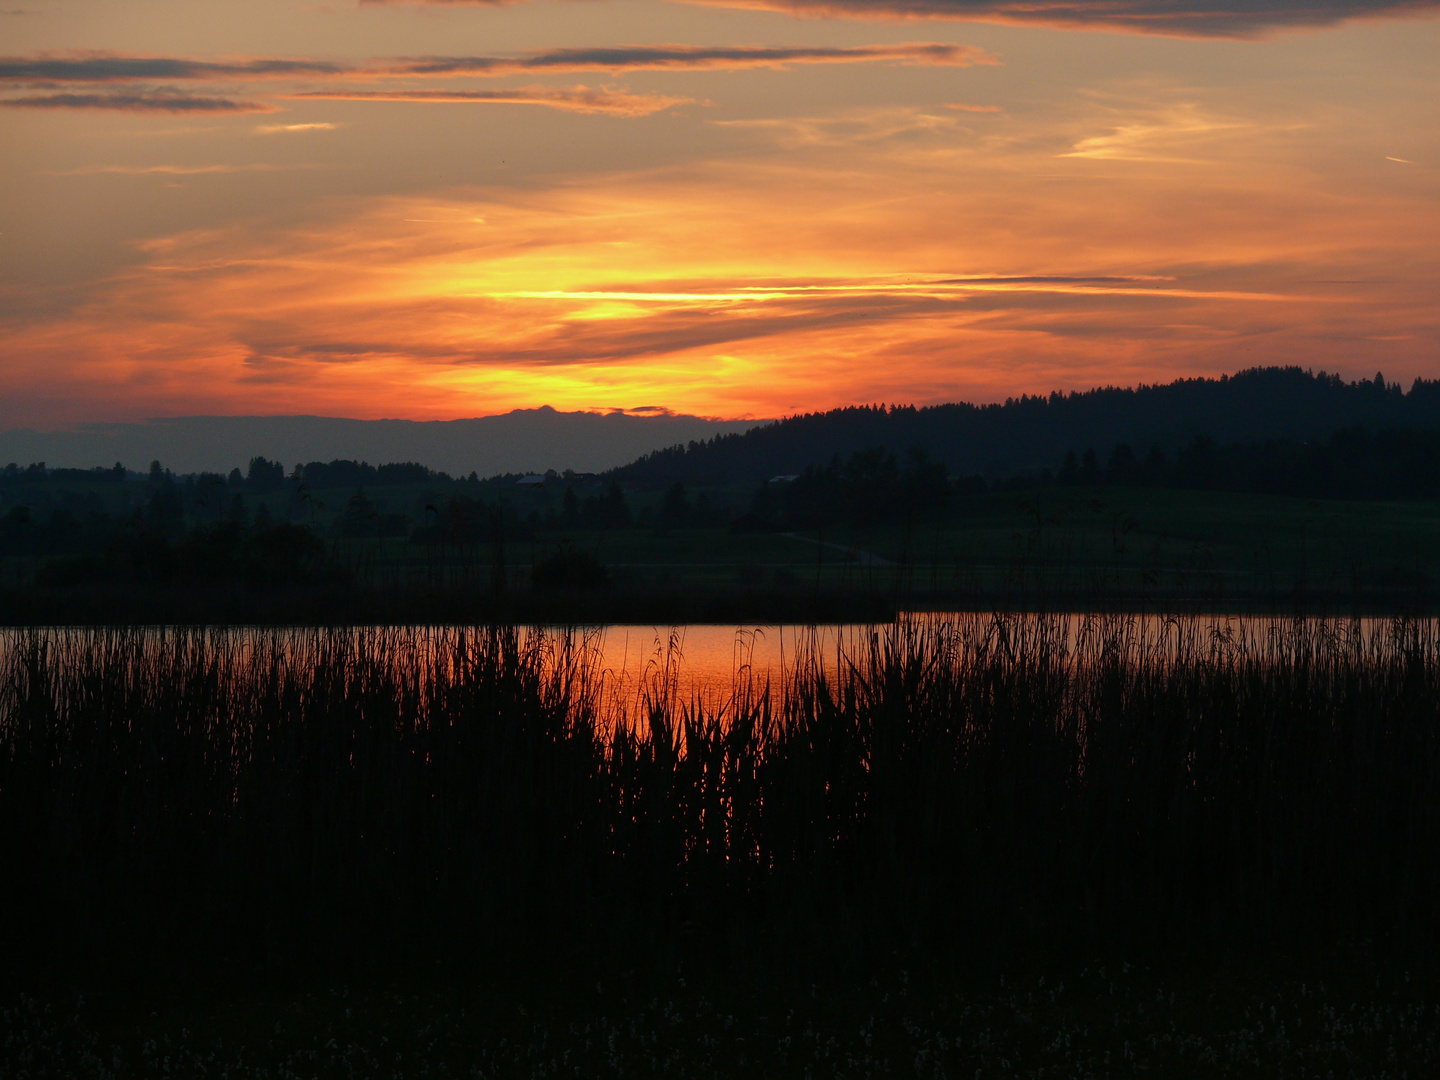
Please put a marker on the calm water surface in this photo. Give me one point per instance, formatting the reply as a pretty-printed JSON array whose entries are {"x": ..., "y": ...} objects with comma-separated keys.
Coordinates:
[{"x": 711, "y": 662}]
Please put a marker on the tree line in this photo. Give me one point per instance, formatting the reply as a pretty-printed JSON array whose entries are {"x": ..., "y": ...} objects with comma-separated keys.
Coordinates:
[{"x": 1353, "y": 463}]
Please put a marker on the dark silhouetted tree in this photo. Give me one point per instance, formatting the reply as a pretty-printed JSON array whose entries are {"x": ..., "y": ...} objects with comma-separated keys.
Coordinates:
[{"x": 675, "y": 507}]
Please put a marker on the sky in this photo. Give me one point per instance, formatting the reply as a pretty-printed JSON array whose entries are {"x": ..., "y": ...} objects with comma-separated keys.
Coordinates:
[{"x": 738, "y": 208}]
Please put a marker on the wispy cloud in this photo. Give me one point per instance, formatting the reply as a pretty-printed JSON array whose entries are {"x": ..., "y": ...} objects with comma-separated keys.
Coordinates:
[
  {"x": 173, "y": 170},
  {"x": 953, "y": 289},
  {"x": 140, "y": 101},
  {"x": 1165, "y": 132},
  {"x": 87, "y": 80},
  {"x": 573, "y": 99},
  {"x": 108, "y": 68},
  {"x": 690, "y": 58},
  {"x": 1175, "y": 18},
  {"x": 1180, "y": 18},
  {"x": 91, "y": 67},
  {"x": 853, "y": 128},
  {"x": 287, "y": 129}
]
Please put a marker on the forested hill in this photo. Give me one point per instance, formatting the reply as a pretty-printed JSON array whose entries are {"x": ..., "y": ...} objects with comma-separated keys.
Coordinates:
[{"x": 1030, "y": 434}]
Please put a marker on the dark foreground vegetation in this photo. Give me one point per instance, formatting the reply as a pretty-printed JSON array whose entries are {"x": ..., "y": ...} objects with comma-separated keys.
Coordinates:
[
  {"x": 1120, "y": 1020},
  {"x": 1005, "y": 845},
  {"x": 203, "y": 808}
]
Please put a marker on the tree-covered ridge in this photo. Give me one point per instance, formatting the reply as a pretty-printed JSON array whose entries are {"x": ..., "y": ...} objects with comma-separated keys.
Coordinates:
[{"x": 1029, "y": 434}]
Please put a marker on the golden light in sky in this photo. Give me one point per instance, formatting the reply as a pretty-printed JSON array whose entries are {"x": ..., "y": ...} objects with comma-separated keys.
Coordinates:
[{"x": 443, "y": 210}]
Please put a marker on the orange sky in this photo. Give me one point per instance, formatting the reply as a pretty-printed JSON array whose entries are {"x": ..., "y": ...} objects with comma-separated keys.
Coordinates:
[{"x": 435, "y": 211}]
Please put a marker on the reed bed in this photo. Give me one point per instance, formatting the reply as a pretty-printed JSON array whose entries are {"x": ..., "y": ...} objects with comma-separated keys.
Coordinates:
[{"x": 183, "y": 801}]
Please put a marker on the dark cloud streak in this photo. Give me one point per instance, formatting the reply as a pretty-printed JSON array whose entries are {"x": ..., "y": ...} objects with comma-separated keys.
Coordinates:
[
  {"x": 91, "y": 68},
  {"x": 81, "y": 80},
  {"x": 694, "y": 58},
  {"x": 1175, "y": 18},
  {"x": 99, "y": 69},
  {"x": 138, "y": 101}
]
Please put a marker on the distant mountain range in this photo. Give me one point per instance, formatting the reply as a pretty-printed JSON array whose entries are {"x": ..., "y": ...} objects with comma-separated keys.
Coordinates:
[
  {"x": 523, "y": 441},
  {"x": 1029, "y": 434},
  {"x": 1022, "y": 436}
]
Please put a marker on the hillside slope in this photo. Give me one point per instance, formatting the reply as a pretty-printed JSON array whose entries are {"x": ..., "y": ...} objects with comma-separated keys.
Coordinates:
[{"x": 1029, "y": 434}]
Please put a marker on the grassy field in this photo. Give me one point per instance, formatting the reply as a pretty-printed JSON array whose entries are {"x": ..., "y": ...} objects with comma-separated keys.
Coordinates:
[
  {"x": 1045, "y": 547},
  {"x": 1087, "y": 545},
  {"x": 1154, "y": 540},
  {"x": 1158, "y": 542}
]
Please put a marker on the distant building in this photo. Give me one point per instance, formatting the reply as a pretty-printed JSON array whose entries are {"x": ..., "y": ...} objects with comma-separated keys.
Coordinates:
[
  {"x": 532, "y": 480},
  {"x": 784, "y": 479}
]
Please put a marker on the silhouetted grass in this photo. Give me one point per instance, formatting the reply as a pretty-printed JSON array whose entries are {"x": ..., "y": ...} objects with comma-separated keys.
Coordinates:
[{"x": 191, "y": 803}]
